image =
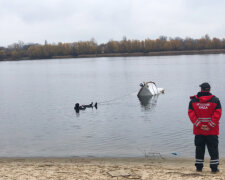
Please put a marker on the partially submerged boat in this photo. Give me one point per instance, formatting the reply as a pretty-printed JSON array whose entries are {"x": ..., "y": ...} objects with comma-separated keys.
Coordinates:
[
  {"x": 148, "y": 102},
  {"x": 149, "y": 89}
]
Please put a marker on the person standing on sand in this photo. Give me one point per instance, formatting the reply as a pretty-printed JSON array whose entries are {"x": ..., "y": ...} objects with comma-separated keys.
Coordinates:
[{"x": 204, "y": 112}]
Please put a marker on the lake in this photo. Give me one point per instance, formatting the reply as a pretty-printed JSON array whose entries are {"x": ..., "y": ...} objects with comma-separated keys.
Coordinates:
[{"x": 37, "y": 98}]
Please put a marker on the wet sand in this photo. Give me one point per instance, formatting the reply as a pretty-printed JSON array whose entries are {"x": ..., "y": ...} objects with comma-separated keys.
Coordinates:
[{"x": 104, "y": 168}]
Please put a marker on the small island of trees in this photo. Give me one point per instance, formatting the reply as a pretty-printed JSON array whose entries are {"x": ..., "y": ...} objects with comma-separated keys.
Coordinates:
[{"x": 125, "y": 47}]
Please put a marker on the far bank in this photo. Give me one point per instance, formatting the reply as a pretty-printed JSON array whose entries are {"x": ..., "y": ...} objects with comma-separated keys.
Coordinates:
[
  {"x": 137, "y": 54},
  {"x": 159, "y": 53}
]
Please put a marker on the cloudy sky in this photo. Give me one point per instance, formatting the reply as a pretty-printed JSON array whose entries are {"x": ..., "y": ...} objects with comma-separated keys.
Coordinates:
[{"x": 103, "y": 20}]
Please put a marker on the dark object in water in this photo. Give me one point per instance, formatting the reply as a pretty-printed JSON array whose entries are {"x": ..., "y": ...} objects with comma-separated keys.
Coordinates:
[
  {"x": 77, "y": 107},
  {"x": 89, "y": 105},
  {"x": 96, "y": 105}
]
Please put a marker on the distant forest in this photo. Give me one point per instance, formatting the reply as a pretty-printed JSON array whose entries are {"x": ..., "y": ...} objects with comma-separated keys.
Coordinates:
[{"x": 18, "y": 51}]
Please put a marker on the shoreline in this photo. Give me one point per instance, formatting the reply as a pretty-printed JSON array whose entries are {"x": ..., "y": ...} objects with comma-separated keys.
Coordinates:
[
  {"x": 136, "y": 54},
  {"x": 105, "y": 168},
  {"x": 159, "y": 53}
]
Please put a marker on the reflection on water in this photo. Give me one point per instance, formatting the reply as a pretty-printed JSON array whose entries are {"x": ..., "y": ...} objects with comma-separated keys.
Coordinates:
[{"x": 148, "y": 102}]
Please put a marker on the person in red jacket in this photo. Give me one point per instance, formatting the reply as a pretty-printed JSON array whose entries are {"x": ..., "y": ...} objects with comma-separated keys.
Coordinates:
[{"x": 204, "y": 112}]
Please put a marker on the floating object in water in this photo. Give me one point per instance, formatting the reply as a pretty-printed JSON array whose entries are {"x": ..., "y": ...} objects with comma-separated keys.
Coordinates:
[
  {"x": 77, "y": 106},
  {"x": 175, "y": 154},
  {"x": 148, "y": 102},
  {"x": 88, "y": 106},
  {"x": 96, "y": 105},
  {"x": 149, "y": 89}
]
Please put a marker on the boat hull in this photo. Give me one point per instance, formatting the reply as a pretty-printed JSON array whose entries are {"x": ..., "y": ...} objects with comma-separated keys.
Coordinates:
[{"x": 149, "y": 89}]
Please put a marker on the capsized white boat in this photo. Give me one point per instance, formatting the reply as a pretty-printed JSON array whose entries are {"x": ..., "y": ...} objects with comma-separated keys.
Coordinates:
[
  {"x": 148, "y": 102},
  {"x": 149, "y": 89}
]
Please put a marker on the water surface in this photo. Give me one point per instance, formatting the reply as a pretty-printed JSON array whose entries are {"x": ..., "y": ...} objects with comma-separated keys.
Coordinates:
[{"x": 37, "y": 99}]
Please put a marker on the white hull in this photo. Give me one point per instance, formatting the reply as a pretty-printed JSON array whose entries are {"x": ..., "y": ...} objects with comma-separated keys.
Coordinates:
[
  {"x": 149, "y": 89},
  {"x": 148, "y": 101}
]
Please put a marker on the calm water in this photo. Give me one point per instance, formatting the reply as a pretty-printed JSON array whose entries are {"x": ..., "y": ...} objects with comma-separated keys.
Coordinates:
[{"x": 37, "y": 99}]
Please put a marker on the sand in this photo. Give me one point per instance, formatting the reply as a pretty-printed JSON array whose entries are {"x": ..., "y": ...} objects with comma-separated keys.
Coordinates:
[{"x": 104, "y": 168}]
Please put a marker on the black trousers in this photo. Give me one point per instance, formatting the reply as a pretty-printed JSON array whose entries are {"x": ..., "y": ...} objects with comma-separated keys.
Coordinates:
[{"x": 211, "y": 141}]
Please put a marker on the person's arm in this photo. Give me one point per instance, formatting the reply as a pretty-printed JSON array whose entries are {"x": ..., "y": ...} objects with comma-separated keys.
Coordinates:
[
  {"x": 216, "y": 114},
  {"x": 192, "y": 115}
]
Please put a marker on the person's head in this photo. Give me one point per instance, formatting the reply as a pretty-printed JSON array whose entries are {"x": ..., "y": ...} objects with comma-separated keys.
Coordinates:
[
  {"x": 77, "y": 109},
  {"x": 77, "y": 106},
  {"x": 205, "y": 87}
]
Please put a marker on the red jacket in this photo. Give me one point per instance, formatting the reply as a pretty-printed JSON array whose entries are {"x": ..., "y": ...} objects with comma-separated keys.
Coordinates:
[{"x": 205, "y": 109}]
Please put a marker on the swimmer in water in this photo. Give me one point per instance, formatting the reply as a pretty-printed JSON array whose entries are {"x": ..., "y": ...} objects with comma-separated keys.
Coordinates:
[{"x": 77, "y": 107}]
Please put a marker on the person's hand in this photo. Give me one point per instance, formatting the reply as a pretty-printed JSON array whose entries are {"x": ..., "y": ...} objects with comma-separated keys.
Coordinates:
[{"x": 205, "y": 128}]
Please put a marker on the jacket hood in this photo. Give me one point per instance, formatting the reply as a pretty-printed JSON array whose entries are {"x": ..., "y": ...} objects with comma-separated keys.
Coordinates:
[{"x": 203, "y": 97}]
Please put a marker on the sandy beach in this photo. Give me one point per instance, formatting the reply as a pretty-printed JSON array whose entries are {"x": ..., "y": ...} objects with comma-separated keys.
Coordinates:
[{"x": 104, "y": 168}]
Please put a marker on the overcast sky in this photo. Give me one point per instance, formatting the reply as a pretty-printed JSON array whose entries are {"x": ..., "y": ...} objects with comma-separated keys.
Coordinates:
[{"x": 76, "y": 20}]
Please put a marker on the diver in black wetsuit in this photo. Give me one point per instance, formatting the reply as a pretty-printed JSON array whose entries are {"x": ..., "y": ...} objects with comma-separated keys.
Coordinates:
[
  {"x": 89, "y": 105},
  {"x": 77, "y": 107}
]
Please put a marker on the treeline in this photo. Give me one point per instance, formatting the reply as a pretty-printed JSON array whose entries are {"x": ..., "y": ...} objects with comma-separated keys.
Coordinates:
[{"x": 20, "y": 50}]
